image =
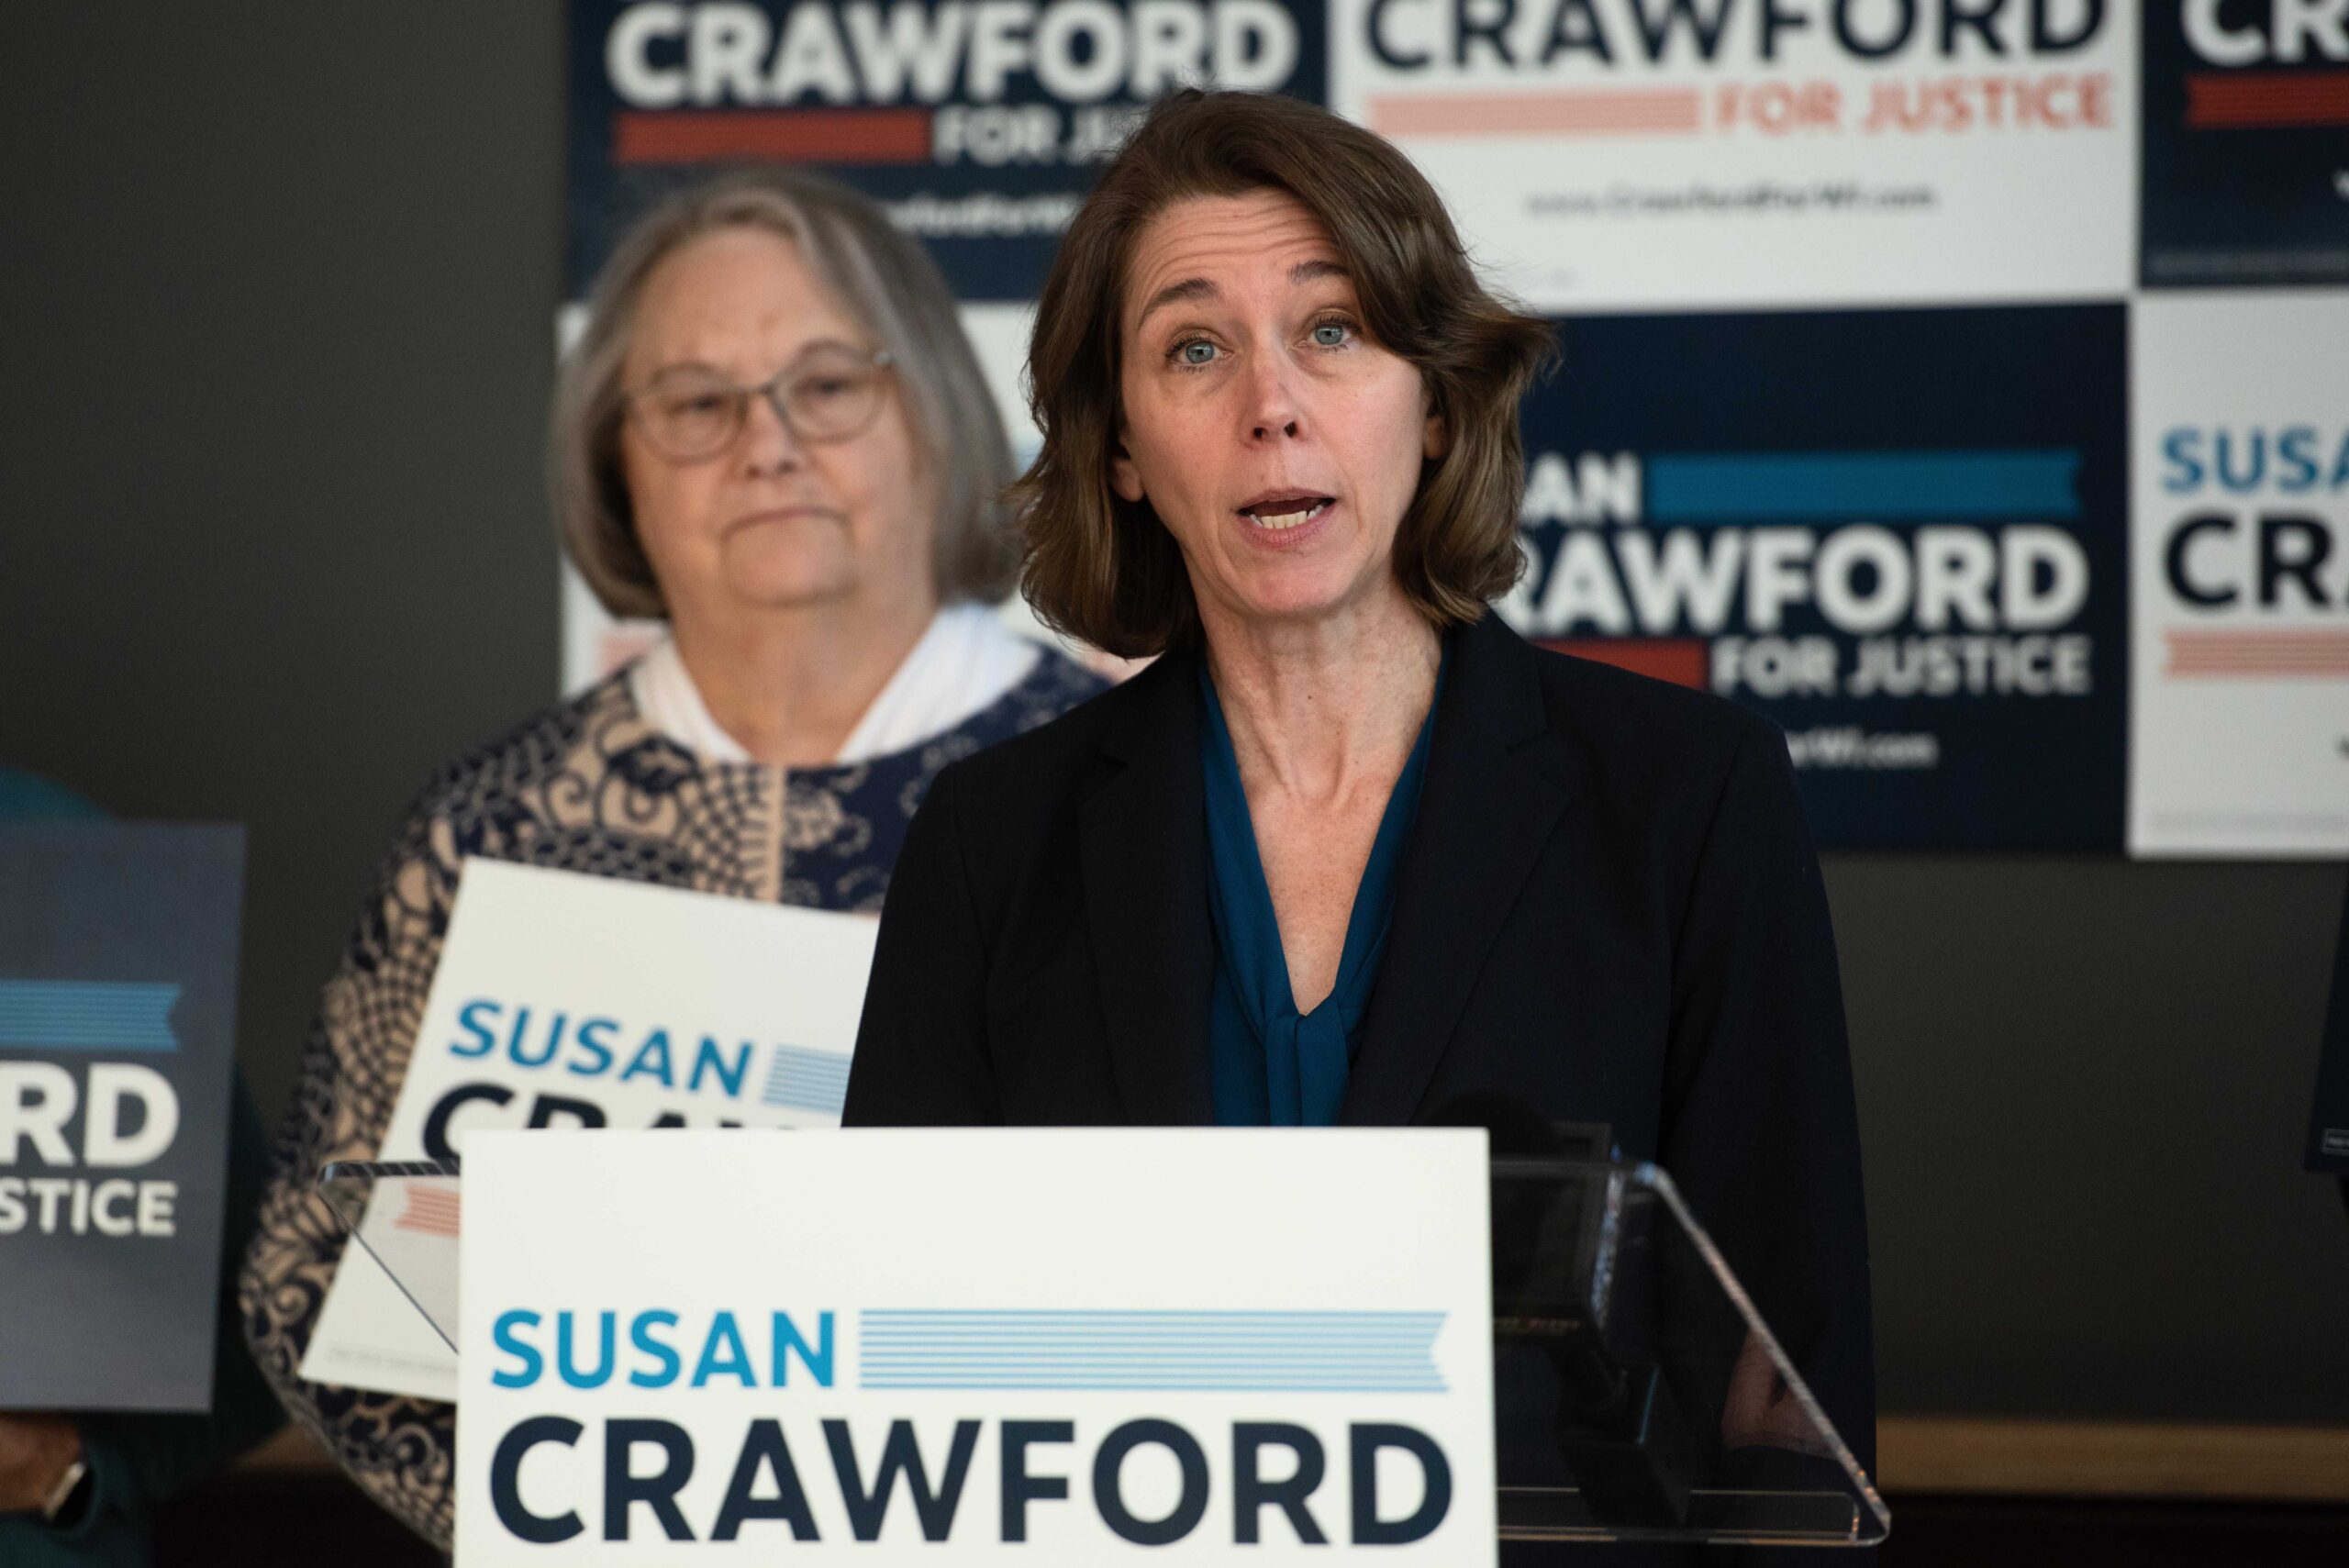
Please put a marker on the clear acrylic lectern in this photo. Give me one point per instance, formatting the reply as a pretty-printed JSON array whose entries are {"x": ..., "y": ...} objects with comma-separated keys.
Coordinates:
[
  {"x": 406, "y": 1214},
  {"x": 1640, "y": 1398}
]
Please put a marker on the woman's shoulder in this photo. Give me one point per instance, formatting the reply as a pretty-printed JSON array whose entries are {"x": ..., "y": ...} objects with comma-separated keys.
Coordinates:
[
  {"x": 582, "y": 785},
  {"x": 528, "y": 753},
  {"x": 1664, "y": 768},
  {"x": 1583, "y": 692},
  {"x": 1015, "y": 801},
  {"x": 1070, "y": 713},
  {"x": 1642, "y": 739},
  {"x": 1052, "y": 686}
]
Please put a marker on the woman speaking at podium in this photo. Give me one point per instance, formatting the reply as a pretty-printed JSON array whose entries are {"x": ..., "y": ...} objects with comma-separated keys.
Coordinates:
[
  {"x": 773, "y": 435},
  {"x": 1349, "y": 849}
]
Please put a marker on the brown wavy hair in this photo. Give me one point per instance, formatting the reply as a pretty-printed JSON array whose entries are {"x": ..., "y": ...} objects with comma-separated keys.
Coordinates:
[{"x": 1104, "y": 570}]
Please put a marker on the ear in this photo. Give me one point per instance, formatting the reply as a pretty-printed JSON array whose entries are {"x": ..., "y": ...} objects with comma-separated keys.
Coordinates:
[
  {"x": 1124, "y": 477},
  {"x": 1435, "y": 438}
]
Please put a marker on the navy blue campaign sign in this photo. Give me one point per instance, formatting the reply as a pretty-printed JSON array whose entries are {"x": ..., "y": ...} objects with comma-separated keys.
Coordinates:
[
  {"x": 118, "y": 1006},
  {"x": 1899, "y": 534},
  {"x": 2247, "y": 143},
  {"x": 979, "y": 123}
]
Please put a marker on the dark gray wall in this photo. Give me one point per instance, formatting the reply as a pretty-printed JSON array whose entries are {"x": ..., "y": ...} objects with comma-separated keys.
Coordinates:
[
  {"x": 276, "y": 295},
  {"x": 2084, "y": 1093},
  {"x": 278, "y": 288}
]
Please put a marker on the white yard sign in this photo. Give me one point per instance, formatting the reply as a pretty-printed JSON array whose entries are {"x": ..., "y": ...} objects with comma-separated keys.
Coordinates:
[
  {"x": 567, "y": 1001},
  {"x": 2239, "y": 741},
  {"x": 1632, "y": 155},
  {"x": 1055, "y": 1346}
]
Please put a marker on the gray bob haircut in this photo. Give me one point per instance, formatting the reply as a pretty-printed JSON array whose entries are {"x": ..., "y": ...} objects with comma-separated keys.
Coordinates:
[{"x": 885, "y": 281}]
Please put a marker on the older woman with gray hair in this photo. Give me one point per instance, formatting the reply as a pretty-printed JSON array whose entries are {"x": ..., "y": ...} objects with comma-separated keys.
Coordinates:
[{"x": 772, "y": 434}]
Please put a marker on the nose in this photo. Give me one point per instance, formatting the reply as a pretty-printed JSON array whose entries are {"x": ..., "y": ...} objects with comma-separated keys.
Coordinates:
[
  {"x": 767, "y": 443},
  {"x": 1273, "y": 411}
]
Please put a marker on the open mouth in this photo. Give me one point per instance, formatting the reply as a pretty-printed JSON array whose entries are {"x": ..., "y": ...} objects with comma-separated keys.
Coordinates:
[{"x": 1275, "y": 513}]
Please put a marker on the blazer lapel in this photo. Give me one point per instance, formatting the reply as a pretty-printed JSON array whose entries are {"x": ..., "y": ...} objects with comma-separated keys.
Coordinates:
[
  {"x": 1143, "y": 839},
  {"x": 1485, "y": 813}
]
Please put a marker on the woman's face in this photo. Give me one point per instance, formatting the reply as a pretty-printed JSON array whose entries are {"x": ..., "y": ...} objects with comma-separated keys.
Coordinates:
[
  {"x": 1277, "y": 442},
  {"x": 770, "y": 522}
]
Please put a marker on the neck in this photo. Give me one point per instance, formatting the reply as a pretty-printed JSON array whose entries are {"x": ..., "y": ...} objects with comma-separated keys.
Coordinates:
[
  {"x": 789, "y": 684},
  {"x": 1317, "y": 708}
]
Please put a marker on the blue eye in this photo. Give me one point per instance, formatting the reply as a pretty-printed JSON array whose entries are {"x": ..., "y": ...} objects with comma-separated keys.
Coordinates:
[
  {"x": 1196, "y": 352},
  {"x": 1329, "y": 334}
]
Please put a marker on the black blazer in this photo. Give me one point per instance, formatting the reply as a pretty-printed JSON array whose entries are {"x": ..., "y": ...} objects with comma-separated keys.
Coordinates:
[{"x": 1609, "y": 906}]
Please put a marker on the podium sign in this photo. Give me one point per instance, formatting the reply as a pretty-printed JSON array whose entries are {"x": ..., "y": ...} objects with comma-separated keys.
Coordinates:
[
  {"x": 570, "y": 1001},
  {"x": 1056, "y": 1347},
  {"x": 117, "y": 1013}
]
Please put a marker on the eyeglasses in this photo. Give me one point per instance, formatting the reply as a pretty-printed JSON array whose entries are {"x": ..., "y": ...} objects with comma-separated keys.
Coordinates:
[{"x": 691, "y": 414}]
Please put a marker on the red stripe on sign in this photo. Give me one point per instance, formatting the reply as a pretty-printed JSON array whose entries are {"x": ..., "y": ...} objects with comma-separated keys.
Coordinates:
[
  {"x": 1679, "y": 660},
  {"x": 433, "y": 1210},
  {"x": 1591, "y": 112},
  {"x": 2258, "y": 655},
  {"x": 2270, "y": 99},
  {"x": 785, "y": 136}
]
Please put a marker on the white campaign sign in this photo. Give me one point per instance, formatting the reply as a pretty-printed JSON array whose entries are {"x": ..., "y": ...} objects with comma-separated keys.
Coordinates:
[
  {"x": 1632, "y": 155},
  {"x": 2239, "y": 739},
  {"x": 1044, "y": 1346},
  {"x": 564, "y": 1000}
]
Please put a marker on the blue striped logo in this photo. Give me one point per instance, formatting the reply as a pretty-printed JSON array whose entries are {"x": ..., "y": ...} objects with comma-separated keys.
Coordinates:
[
  {"x": 86, "y": 1015},
  {"x": 807, "y": 1080},
  {"x": 1239, "y": 1353},
  {"x": 1886, "y": 487}
]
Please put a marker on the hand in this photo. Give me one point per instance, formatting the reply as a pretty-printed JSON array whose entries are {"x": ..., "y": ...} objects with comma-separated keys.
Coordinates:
[
  {"x": 35, "y": 1453},
  {"x": 1761, "y": 1410}
]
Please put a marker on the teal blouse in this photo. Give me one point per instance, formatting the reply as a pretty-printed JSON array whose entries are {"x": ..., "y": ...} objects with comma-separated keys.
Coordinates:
[{"x": 1273, "y": 1066}]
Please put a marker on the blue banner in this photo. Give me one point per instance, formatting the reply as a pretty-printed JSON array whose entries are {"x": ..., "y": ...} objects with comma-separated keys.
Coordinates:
[
  {"x": 65, "y": 1014},
  {"x": 1253, "y": 1352}
]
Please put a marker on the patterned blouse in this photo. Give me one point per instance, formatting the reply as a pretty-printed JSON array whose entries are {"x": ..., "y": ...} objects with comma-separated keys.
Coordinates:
[{"x": 589, "y": 785}]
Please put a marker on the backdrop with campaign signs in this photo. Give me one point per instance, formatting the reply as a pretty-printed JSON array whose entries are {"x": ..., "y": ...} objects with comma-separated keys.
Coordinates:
[
  {"x": 117, "y": 1008},
  {"x": 1867, "y": 275},
  {"x": 571, "y": 1001},
  {"x": 1265, "y": 1346}
]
